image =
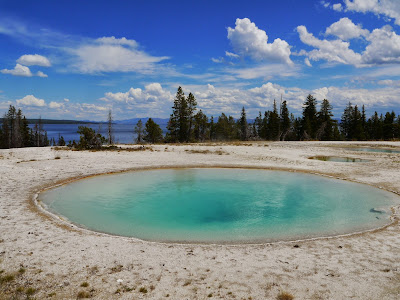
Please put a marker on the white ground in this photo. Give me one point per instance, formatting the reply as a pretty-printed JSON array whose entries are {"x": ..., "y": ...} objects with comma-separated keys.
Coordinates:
[{"x": 59, "y": 257}]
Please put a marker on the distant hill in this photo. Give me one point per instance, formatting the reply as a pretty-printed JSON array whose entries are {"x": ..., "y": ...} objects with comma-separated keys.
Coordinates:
[
  {"x": 49, "y": 121},
  {"x": 134, "y": 121}
]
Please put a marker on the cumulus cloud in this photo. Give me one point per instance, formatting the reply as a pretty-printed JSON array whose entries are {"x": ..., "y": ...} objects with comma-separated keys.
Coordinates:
[
  {"x": 109, "y": 54},
  {"x": 30, "y": 100},
  {"x": 345, "y": 29},
  {"x": 337, "y": 51},
  {"x": 56, "y": 105},
  {"x": 387, "y": 8},
  {"x": 153, "y": 98},
  {"x": 41, "y": 74},
  {"x": 18, "y": 70},
  {"x": 384, "y": 47},
  {"x": 337, "y": 7},
  {"x": 248, "y": 40},
  {"x": 34, "y": 60},
  {"x": 307, "y": 62}
]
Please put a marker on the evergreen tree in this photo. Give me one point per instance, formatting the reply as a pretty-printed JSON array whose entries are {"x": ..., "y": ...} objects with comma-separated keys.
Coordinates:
[
  {"x": 110, "y": 135},
  {"x": 310, "y": 118},
  {"x": 200, "y": 126},
  {"x": 389, "y": 126},
  {"x": 243, "y": 125},
  {"x": 357, "y": 131},
  {"x": 284, "y": 121},
  {"x": 191, "y": 104},
  {"x": 213, "y": 135},
  {"x": 138, "y": 130},
  {"x": 347, "y": 121},
  {"x": 61, "y": 141},
  {"x": 152, "y": 132},
  {"x": 89, "y": 139},
  {"x": 325, "y": 130},
  {"x": 258, "y": 123},
  {"x": 274, "y": 124},
  {"x": 178, "y": 125}
]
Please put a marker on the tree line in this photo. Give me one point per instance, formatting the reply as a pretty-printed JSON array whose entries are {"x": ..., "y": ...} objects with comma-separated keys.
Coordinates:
[
  {"x": 187, "y": 124},
  {"x": 15, "y": 131},
  {"x": 278, "y": 124}
]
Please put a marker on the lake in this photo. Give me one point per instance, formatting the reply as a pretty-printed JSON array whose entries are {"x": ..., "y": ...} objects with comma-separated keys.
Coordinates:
[{"x": 123, "y": 133}]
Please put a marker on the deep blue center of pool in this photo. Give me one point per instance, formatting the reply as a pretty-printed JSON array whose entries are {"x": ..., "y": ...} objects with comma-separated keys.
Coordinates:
[{"x": 220, "y": 205}]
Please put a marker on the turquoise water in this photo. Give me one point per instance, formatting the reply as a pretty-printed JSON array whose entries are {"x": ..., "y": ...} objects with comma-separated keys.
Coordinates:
[
  {"x": 220, "y": 205},
  {"x": 339, "y": 159},
  {"x": 367, "y": 149}
]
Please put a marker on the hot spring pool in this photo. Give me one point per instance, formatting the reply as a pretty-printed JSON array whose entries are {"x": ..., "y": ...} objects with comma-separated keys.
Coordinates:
[{"x": 220, "y": 205}]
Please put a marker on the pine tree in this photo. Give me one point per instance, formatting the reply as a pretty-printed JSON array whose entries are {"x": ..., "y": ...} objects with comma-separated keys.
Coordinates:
[
  {"x": 243, "y": 125},
  {"x": 178, "y": 125},
  {"x": 212, "y": 129},
  {"x": 284, "y": 121},
  {"x": 191, "y": 103},
  {"x": 138, "y": 130},
  {"x": 152, "y": 132},
  {"x": 273, "y": 124},
  {"x": 61, "y": 141},
  {"x": 347, "y": 121},
  {"x": 200, "y": 126},
  {"x": 310, "y": 118},
  {"x": 325, "y": 122},
  {"x": 110, "y": 135}
]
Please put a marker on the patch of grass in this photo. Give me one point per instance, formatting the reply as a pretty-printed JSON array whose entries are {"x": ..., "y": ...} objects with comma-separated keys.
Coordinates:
[
  {"x": 21, "y": 271},
  {"x": 117, "y": 269},
  {"x": 143, "y": 290},
  {"x": 7, "y": 278},
  {"x": 84, "y": 284},
  {"x": 30, "y": 291},
  {"x": 52, "y": 294},
  {"x": 209, "y": 295},
  {"x": 284, "y": 296},
  {"x": 218, "y": 152},
  {"x": 128, "y": 289},
  {"x": 82, "y": 295}
]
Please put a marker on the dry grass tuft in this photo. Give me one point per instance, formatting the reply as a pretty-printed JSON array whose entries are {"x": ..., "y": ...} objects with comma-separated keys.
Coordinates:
[{"x": 284, "y": 296}]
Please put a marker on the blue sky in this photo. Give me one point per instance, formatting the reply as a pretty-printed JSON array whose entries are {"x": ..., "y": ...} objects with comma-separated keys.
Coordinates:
[{"x": 78, "y": 59}]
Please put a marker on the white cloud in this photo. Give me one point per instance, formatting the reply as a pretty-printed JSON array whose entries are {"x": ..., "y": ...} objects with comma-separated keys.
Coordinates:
[
  {"x": 34, "y": 60},
  {"x": 18, "y": 70},
  {"x": 248, "y": 40},
  {"x": 56, "y": 105},
  {"x": 114, "y": 41},
  {"x": 336, "y": 51},
  {"x": 231, "y": 55},
  {"x": 153, "y": 100},
  {"x": 387, "y": 8},
  {"x": 30, "y": 100},
  {"x": 41, "y": 74},
  {"x": 113, "y": 55},
  {"x": 345, "y": 29},
  {"x": 307, "y": 62},
  {"x": 217, "y": 60},
  {"x": 337, "y": 7},
  {"x": 384, "y": 47}
]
